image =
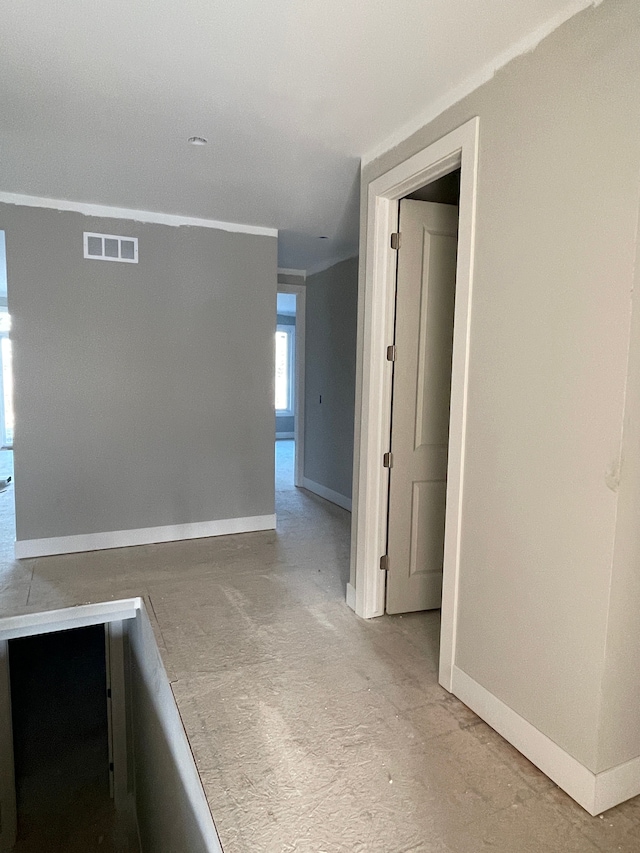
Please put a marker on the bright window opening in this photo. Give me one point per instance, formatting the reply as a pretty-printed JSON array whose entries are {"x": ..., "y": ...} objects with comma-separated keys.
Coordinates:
[
  {"x": 8, "y": 419},
  {"x": 285, "y": 343},
  {"x": 6, "y": 373}
]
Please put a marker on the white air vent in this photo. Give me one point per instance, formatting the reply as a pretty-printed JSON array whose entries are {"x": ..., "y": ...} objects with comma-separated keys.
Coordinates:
[{"x": 110, "y": 247}]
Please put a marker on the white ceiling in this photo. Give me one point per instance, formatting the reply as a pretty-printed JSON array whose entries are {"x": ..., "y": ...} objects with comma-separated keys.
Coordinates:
[{"x": 97, "y": 100}]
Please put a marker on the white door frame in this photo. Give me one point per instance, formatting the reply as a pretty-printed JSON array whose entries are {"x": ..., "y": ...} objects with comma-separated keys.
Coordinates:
[
  {"x": 457, "y": 149},
  {"x": 300, "y": 291},
  {"x": 119, "y": 782}
]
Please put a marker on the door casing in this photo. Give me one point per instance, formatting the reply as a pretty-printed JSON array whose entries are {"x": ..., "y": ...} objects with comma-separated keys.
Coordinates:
[{"x": 458, "y": 149}]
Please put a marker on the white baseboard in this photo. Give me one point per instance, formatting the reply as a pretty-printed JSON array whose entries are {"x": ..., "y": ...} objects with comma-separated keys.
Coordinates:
[
  {"x": 351, "y": 596},
  {"x": 595, "y": 792},
  {"x": 616, "y": 785},
  {"x": 26, "y": 548},
  {"x": 280, "y": 435},
  {"x": 327, "y": 494}
]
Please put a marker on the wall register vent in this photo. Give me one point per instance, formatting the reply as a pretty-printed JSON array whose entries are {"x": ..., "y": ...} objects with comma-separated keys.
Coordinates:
[{"x": 110, "y": 247}]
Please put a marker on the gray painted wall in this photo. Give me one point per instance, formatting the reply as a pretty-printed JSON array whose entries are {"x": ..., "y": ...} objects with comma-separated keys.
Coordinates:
[
  {"x": 620, "y": 710},
  {"x": 554, "y": 258},
  {"x": 171, "y": 807},
  {"x": 144, "y": 393},
  {"x": 285, "y": 423},
  {"x": 330, "y": 361}
]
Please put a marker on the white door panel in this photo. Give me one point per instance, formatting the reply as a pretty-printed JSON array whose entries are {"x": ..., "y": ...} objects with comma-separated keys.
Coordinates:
[{"x": 420, "y": 416}]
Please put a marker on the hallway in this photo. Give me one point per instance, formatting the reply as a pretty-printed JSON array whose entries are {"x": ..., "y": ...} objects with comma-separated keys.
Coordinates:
[
  {"x": 312, "y": 729},
  {"x": 285, "y": 454}
]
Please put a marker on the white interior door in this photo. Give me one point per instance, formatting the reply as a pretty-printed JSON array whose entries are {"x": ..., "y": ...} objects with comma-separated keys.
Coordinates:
[{"x": 420, "y": 413}]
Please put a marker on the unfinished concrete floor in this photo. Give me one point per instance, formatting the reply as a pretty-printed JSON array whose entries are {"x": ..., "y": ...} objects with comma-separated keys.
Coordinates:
[{"x": 313, "y": 730}]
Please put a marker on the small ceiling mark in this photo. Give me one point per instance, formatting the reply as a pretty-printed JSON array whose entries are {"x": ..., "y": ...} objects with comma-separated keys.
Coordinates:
[{"x": 197, "y": 140}]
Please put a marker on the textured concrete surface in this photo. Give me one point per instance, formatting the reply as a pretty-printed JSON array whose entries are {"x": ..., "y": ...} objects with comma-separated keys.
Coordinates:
[{"x": 314, "y": 731}]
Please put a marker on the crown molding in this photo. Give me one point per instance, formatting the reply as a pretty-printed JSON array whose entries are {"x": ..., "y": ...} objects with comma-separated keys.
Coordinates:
[{"x": 146, "y": 216}]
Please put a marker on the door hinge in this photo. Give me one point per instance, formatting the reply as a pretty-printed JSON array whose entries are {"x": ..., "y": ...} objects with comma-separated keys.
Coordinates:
[
  {"x": 108, "y": 693},
  {"x": 391, "y": 352},
  {"x": 395, "y": 240},
  {"x": 384, "y": 562},
  {"x": 387, "y": 460}
]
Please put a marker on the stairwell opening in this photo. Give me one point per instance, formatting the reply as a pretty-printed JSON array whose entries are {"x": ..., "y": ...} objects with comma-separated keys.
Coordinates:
[
  {"x": 146, "y": 795},
  {"x": 60, "y": 721}
]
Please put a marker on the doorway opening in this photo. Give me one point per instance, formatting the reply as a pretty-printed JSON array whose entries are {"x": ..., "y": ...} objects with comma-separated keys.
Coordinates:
[
  {"x": 285, "y": 382},
  {"x": 289, "y": 385},
  {"x": 7, "y": 418},
  {"x": 457, "y": 150}
]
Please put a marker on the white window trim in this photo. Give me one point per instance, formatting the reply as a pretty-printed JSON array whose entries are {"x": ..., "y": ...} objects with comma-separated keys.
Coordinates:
[{"x": 289, "y": 412}]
